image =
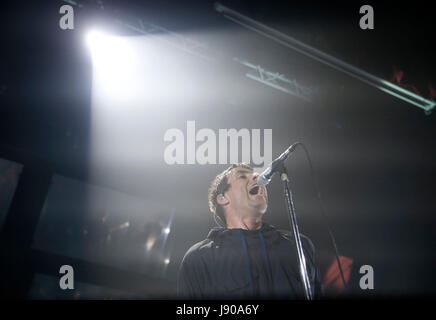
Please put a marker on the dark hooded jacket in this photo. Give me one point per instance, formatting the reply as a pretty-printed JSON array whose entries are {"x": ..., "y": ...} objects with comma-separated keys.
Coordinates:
[{"x": 238, "y": 264}]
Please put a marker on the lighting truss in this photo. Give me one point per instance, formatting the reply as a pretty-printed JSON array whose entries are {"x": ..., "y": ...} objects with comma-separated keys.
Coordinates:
[
  {"x": 172, "y": 38},
  {"x": 324, "y": 58},
  {"x": 277, "y": 81},
  {"x": 163, "y": 35}
]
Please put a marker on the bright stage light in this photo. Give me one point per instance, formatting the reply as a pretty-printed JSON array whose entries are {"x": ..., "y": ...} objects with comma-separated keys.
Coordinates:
[
  {"x": 92, "y": 38},
  {"x": 106, "y": 48},
  {"x": 113, "y": 62}
]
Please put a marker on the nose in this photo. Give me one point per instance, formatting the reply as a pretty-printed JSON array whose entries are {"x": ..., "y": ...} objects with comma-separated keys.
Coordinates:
[{"x": 255, "y": 175}]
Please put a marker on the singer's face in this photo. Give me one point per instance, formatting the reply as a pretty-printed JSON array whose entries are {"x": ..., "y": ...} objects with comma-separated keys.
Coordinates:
[{"x": 244, "y": 194}]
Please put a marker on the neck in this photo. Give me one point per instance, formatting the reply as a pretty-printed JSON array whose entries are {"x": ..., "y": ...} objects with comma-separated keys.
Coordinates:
[{"x": 247, "y": 223}]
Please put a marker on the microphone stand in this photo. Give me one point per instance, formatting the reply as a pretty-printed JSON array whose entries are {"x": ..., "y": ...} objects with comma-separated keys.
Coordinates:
[{"x": 293, "y": 221}]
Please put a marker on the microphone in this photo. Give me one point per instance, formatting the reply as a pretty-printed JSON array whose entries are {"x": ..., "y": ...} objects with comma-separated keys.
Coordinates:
[{"x": 266, "y": 176}]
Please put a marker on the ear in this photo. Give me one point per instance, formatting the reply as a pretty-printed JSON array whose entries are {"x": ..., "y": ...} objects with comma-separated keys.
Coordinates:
[{"x": 221, "y": 200}]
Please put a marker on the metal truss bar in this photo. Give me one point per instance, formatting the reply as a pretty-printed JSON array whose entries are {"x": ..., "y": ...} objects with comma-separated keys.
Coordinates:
[
  {"x": 324, "y": 58},
  {"x": 273, "y": 80},
  {"x": 169, "y": 37}
]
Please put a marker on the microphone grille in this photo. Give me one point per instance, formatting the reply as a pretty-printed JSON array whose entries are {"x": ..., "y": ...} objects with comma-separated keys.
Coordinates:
[{"x": 261, "y": 181}]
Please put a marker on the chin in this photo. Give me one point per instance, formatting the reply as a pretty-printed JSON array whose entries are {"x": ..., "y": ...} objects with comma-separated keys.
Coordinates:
[{"x": 261, "y": 209}]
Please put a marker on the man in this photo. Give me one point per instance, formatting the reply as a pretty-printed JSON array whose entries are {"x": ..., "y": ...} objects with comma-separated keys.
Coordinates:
[{"x": 248, "y": 258}]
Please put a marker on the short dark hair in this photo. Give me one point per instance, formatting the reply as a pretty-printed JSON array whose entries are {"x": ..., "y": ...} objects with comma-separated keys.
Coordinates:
[{"x": 219, "y": 185}]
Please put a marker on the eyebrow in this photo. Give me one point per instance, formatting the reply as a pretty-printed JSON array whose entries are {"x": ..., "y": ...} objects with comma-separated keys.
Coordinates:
[{"x": 243, "y": 171}]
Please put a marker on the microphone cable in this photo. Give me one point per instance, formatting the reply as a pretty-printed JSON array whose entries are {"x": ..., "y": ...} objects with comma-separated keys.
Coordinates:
[{"x": 323, "y": 211}]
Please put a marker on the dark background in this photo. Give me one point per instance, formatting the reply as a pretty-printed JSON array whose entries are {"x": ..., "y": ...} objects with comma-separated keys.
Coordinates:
[{"x": 373, "y": 153}]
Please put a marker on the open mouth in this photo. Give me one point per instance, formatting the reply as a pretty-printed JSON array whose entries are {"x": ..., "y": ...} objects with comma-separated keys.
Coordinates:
[{"x": 254, "y": 190}]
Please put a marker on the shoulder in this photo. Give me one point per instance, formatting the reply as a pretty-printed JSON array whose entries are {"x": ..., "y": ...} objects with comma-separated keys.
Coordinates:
[{"x": 197, "y": 251}]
